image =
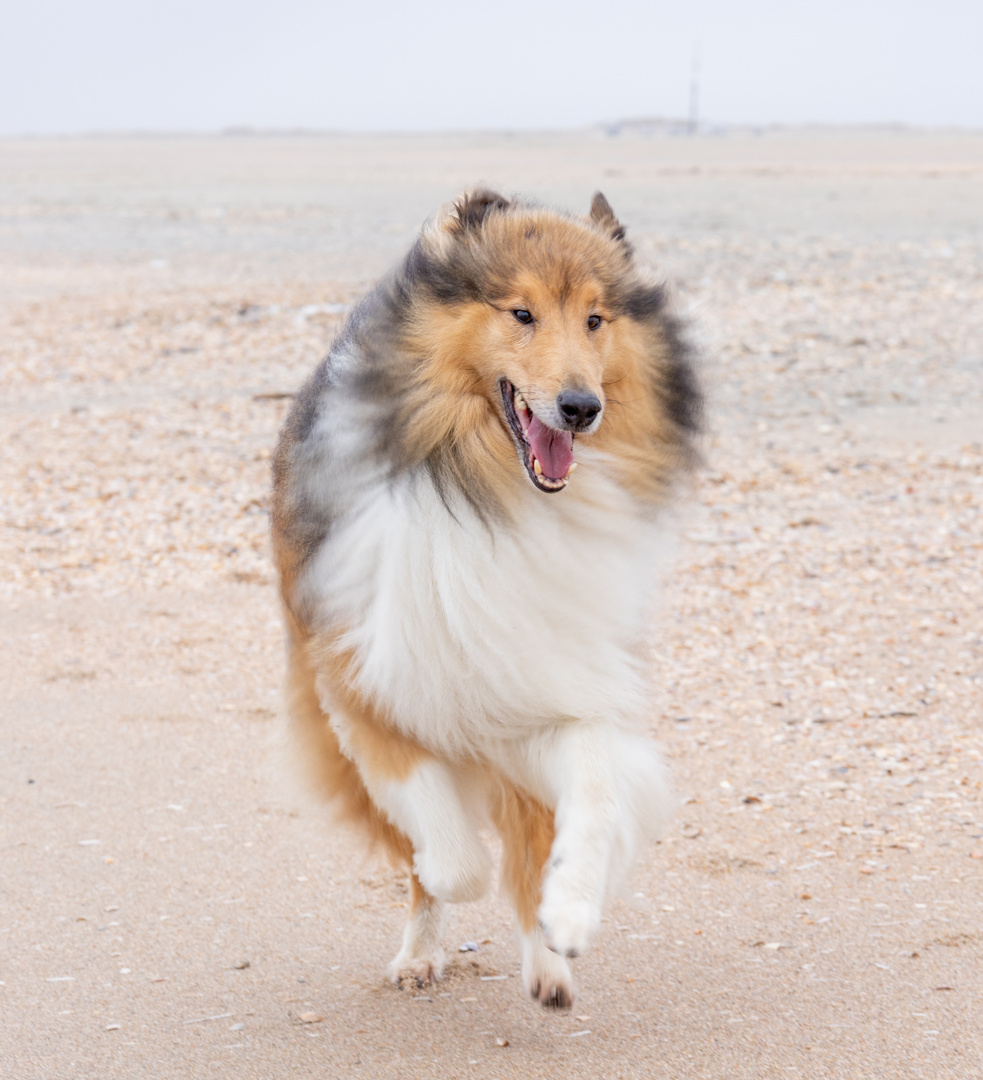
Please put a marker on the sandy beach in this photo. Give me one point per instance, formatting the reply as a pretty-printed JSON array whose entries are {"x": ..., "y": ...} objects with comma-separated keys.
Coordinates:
[{"x": 171, "y": 906}]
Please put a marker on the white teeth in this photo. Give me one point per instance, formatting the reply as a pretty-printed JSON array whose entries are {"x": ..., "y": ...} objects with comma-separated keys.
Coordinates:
[
  {"x": 536, "y": 467},
  {"x": 573, "y": 466},
  {"x": 553, "y": 485},
  {"x": 520, "y": 401}
]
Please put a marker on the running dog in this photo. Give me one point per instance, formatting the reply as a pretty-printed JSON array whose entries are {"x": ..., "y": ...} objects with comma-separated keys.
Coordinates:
[{"x": 466, "y": 615}]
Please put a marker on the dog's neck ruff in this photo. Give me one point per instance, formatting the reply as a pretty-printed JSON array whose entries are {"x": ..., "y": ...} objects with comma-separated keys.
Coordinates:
[{"x": 464, "y": 632}]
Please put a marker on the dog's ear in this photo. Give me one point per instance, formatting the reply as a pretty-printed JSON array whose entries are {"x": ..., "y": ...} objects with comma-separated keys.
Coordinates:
[
  {"x": 474, "y": 206},
  {"x": 603, "y": 217}
]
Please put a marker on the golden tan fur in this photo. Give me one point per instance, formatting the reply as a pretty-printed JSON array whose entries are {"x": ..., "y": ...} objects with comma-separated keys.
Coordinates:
[
  {"x": 526, "y": 829},
  {"x": 333, "y": 775},
  {"x": 467, "y": 347}
]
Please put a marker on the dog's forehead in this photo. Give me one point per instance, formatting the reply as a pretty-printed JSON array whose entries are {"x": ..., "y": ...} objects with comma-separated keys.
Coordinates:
[
  {"x": 567, "y": 287},
  {"x": 551, "y": 233},
  {"x": 551, "y": 258}
]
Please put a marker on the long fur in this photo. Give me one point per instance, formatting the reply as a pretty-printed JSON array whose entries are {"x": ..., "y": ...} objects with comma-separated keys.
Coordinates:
[{"x": 467, "y": 641}]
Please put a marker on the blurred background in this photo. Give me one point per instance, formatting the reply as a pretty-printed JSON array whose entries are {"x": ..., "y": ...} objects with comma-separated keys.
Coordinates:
[{"x": 182, "y": 65}]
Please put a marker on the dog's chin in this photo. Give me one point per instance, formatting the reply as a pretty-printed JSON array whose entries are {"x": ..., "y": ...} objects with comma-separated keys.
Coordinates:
[{"x": 546, "y": 453}]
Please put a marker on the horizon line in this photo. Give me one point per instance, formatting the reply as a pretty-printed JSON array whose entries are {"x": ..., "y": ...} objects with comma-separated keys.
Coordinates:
[{"x": 674, "y": 127}]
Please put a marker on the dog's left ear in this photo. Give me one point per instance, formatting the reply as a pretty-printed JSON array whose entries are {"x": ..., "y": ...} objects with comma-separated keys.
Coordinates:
[
  {"x": 603, "y": 216},
  {"x": 474, "y": 206}
]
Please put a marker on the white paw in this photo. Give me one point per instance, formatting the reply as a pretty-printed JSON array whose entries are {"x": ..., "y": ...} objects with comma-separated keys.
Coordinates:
[
  {"x": 457, "y": 876},
  {"x": 412, "y": 970},
  {"x": 567, "y": 923},
  {"x": 546, "y": 975}
]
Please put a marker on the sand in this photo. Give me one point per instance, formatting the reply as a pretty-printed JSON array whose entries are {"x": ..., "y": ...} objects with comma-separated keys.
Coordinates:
[{"x": 170, "y": 906}]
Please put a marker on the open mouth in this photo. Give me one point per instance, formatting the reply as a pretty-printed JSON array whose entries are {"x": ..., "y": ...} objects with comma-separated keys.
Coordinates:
[{"x": 546, "y": 453}]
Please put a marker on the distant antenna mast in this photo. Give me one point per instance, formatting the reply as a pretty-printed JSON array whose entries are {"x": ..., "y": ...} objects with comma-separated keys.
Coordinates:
[{"x": 694, "y": 90}]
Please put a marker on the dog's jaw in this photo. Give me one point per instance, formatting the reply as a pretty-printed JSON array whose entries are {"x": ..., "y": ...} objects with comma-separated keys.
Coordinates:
[{"x": 542, "y": 450}]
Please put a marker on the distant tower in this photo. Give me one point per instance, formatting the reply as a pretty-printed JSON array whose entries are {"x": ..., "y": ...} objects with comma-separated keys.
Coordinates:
[{"x": 694, "y": 91}]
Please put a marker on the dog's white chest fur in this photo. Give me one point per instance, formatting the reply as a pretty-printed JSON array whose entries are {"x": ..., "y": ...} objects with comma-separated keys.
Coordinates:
[{"x": 467, "y": 633}]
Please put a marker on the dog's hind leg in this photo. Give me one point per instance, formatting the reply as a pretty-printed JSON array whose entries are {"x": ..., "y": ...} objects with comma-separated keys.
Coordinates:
[
  {"x": 331, "y": 773},
  {"x": 526, "y": 828},
  {"x": 421, "y": 959}
]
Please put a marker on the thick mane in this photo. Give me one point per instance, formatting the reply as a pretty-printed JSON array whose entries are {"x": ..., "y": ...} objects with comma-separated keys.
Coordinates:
[{"x": 402, "y": 390}]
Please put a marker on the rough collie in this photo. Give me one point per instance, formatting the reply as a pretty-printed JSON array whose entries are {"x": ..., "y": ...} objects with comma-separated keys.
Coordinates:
[{"x": 467, "y": 614}]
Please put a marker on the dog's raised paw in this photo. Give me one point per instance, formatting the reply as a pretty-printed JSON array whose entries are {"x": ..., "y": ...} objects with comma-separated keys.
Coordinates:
[
  {"x": 568, "y": 926},
  {"x": 546, "y": 975},
  {"x": 552, "y": 996}
]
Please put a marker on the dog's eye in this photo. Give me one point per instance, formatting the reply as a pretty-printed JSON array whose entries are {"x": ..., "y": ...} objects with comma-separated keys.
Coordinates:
[
  {"x": 523, "y": 316},
  {"x": 593, "y": 322}
]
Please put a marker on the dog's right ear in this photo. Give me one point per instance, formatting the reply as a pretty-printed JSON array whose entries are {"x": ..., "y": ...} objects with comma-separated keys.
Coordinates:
[
  {"x": 603, "y": 216},
  {"x": 474, "y": 206}
]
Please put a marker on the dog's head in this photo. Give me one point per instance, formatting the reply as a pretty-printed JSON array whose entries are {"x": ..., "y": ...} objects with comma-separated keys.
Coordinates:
[{"x": 536, "y": 329}]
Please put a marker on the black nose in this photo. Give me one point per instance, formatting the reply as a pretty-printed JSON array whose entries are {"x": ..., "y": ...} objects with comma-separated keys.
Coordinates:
[{"x": 578, "y": 408}]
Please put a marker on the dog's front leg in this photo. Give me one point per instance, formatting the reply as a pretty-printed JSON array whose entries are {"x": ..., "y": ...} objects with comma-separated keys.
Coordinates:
[
  {"x": 419, "y": 794},
  {"x": 421, "y": 959},
  {"x": 449, "y": 857},
  {"x": 606, "y": 783}
]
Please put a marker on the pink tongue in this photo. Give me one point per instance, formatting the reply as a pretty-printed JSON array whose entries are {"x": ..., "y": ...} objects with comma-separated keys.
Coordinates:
[{"x": 553, "y": 448}]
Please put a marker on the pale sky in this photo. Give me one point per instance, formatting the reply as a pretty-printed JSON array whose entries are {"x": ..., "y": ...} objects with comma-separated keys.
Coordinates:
[{"x": 73, "y": 66}]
